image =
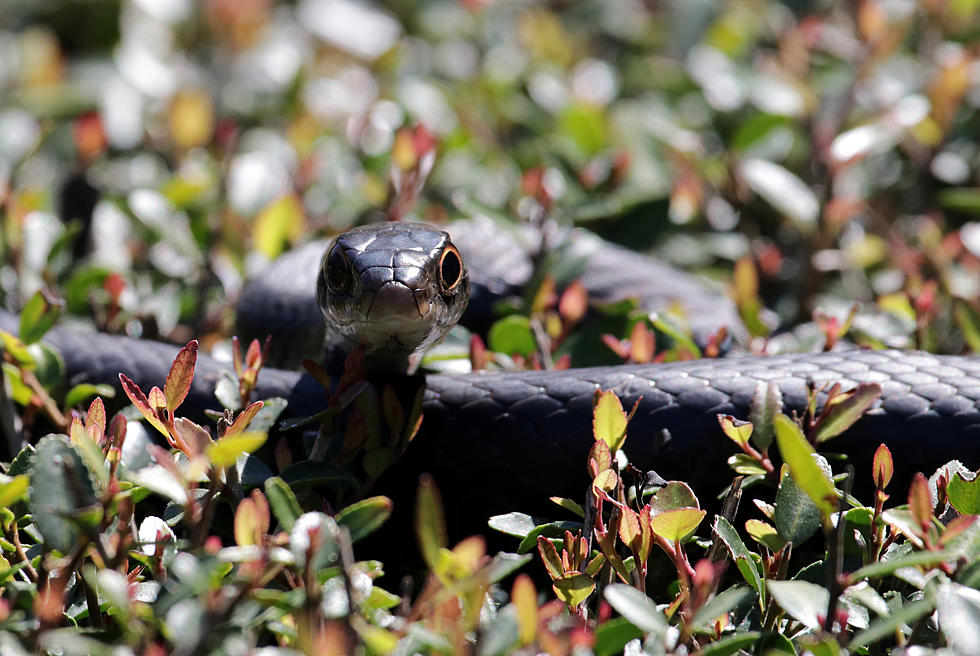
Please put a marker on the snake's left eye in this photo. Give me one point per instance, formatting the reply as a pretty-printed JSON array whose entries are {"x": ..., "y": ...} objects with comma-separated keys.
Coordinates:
[
  {"x": 450, "y": 269},
  {"x": 337, "y": 271}
]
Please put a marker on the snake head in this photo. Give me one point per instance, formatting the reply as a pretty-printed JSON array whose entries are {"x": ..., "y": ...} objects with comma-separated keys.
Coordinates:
[{"x": 395, "y": 288}]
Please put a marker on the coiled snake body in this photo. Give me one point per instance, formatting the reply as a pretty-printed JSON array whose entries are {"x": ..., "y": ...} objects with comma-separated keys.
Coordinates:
[{"x": 503, "y": 440}]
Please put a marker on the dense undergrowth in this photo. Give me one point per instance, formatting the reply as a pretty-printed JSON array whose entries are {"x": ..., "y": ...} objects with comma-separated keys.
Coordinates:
[{"x": 819, "y": 158}]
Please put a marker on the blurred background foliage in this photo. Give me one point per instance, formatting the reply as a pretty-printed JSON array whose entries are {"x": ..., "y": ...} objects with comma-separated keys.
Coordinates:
[{"x": 155, "y": 153}]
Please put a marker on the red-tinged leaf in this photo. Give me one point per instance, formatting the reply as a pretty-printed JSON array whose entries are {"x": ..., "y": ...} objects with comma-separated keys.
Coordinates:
[
  {"x": 96, "y": 416},
  {"x": 606, "y": 480},
  {"x": 192, "y": 438},
  {"x": 956, "y": 528},
  {"x": 158, "y": 401},
  {"x": 574, "y": 302},
  {"x": 616, "y": 346},
  {"x": 525, "y": 600},
  {"x": 736, "y": 430},
  {"x": 562, "y": 363},
  {"x": 600, "y": 458},
  {"x": 117, "y": 431},
  {"x": 246, "y": 525},
  {"x": 478, "y": 353},
  {"x": 318, "y": 372},
  {"x": 592, "y": 569},
  {"x": 236, "y": 355},
  {"x": 629, "y": 527},
  {"x": 181, "y": 376},
  {"x": 165, "y": 460},
  {"x": 643, "y": 343},
  {"x": 646, "y": 536},
  {"x": 244, "y": 417},
  {"x": 609, "y": 421},
  {"x": 883, "y": 467},
  {"x": 544, "y": 297},
  {"x": 142, "y": 404},
  {"x": 253, "y": 357},
  {"x": 76, "y": 432},
  {"x": 919, "y": 503},
  {"x": 843, "y": 413},
  {"x": 549, "y": 556},
  {"x": 607, "y": 545}
]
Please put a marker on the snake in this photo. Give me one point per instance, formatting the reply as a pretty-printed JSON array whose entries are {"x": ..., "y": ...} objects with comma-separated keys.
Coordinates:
[{"x": 499, "y": 440}]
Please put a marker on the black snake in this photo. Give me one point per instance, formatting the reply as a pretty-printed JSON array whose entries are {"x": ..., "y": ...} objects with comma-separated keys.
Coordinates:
[{"x": 501, "y": 440}]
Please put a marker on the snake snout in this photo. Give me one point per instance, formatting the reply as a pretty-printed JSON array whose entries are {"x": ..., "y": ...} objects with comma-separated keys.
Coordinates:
[{"x": 394, "y": 301}]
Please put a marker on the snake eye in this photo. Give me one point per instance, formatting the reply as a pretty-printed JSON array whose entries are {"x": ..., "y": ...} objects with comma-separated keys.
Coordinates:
[
  {"x": 336, "y": 271},
  {"x": 450, "y": 269}
]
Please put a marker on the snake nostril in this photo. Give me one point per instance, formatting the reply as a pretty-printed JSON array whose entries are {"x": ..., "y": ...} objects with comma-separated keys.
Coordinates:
[{"x": 337, "y": 271}]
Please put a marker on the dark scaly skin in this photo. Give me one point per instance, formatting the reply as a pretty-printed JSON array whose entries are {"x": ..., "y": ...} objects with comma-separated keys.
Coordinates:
[{"x": 497, "y": 441}]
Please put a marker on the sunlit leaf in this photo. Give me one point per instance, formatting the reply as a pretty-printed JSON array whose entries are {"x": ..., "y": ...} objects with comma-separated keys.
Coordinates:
[
  {"x": 675, "y": 525},
  {"x": 226, "y": 450},
  {"x": 797, "y": 453},
  {"x": 609, "y": 421}
]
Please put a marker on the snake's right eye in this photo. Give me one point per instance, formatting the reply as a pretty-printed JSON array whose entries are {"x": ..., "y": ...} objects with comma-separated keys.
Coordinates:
[{"x": 337, "y": 271}]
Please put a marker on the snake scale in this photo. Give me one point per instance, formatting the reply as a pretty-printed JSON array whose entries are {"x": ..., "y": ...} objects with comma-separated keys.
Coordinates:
[{"x": 496, "y": 441}]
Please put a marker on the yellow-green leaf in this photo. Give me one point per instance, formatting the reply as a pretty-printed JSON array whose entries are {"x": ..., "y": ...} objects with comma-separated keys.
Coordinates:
[
  {"x": 736, "y": 430},
  {"x": 675, "y": 525},
  {"x": 609, "y": 421},
  {"x": 573, "y": 588},
  {"x": 798, "y": 454},
  {"x": 524, "y": 598},
  {"x": 13, "y": 490},
  {"x": 225, "y": 451},
  {"x": 764, "y": 533}
]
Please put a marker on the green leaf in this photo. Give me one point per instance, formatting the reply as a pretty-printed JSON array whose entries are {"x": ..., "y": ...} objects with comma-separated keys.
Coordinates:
[
  {"x": 13, "y": 490},
  {"x": 37, "y": 318},
  {"x": 675, "y": 525},
  {"x": 640, "y": 610},
  {"x": 764, "y": 533},
  {"x": 842, "y": 415},
  {"x": 283, "y": 502},
  {"x": 964, "y": 495},
  {"x": 958, "y": 608},
  {"x": 514, "y": 523},
  {"x": 430, "y": 523},
  {"x": 887, "y": 567},
  {"x": 512, "y": 335},
  {"x": 887, "y": 626},
  {"x": 741, "y": 555},
  {"x": 960, "y": 199},
  {"x": 365, "y": 517},
  {"x": 805, "y": 602},
  {"x": 736, "y": 430},
  {"x": 797, "y": 453},
  {"x": 226, "y": 450},
  {"x": 84, "y": 391},
  {"x": 609, "y": 421},
  {"x": 49, "y": 365},
  {"x": 732, "y": 644},
  {"x": 569, "y": 505},
  {"x": 573, "y": 588},
  {"x": 720, "y": 605},
  {"x": 796, "y": 517},
  {"x": 969, "y": 323},
  {"x": 611, "y": 636},
  {"x": 60, "y": 485},
  {"x": 548, "y": 530},
  {"x": 17, "y": 350},
  {"x": 745, "y": 464},
  {"x": 673, "y": 496},
  {"x": 585, "y": 124},
  {"x": 767, "y": 401}
]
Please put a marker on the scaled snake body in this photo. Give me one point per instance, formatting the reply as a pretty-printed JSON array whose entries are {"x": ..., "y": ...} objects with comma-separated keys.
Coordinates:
[{"x": 500, "y": 441}]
